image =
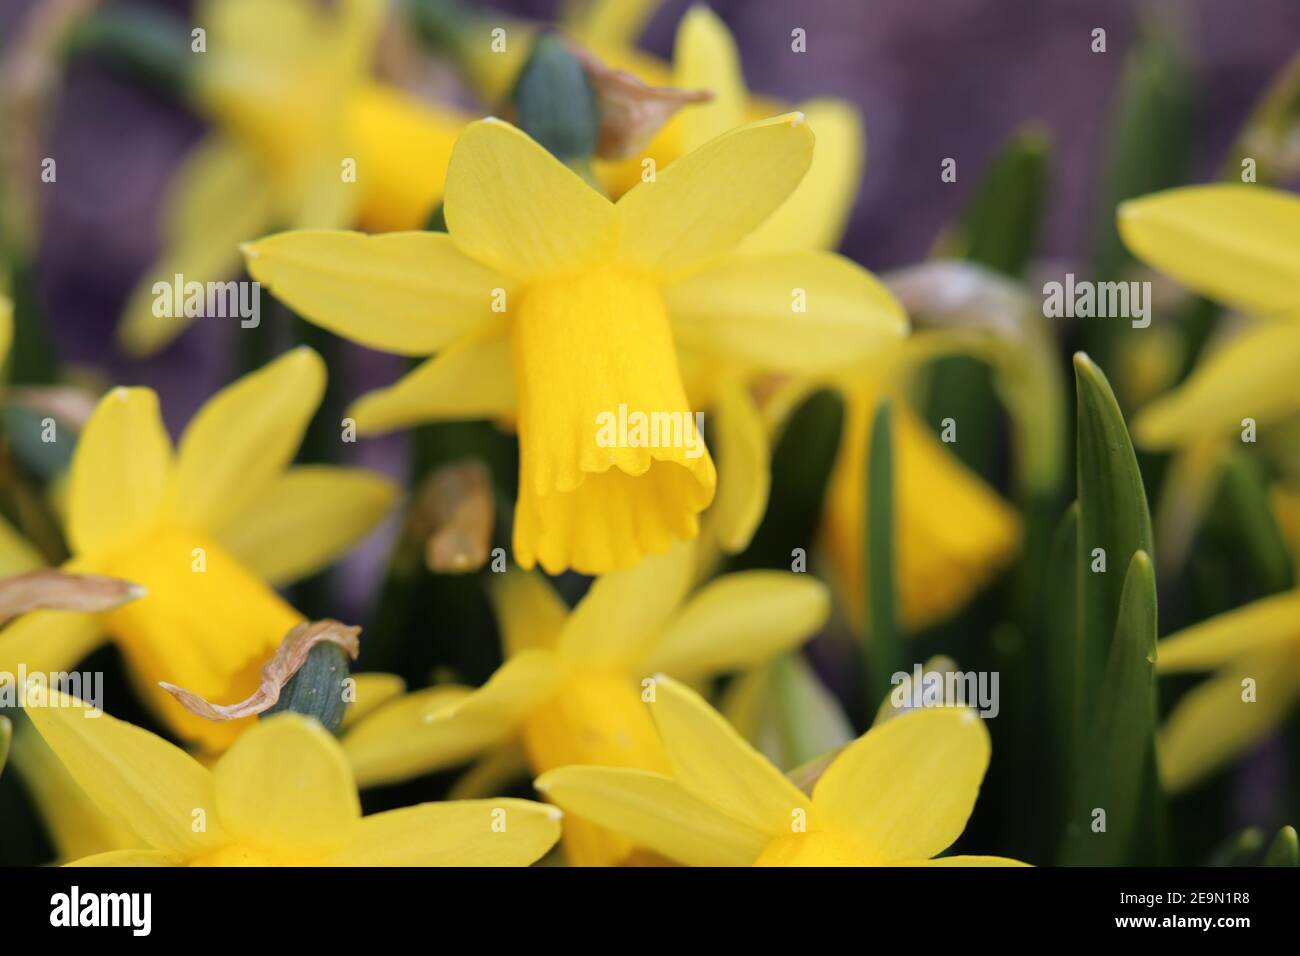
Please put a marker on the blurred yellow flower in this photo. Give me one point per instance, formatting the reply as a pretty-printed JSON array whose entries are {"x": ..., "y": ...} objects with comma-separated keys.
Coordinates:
[
  {"x": 207, "y": 531},
  {"x": 286, "y": 82},
  {"x": 1236, "y": 244},
  {"x": 953, "y": 533},
  {"x": 549, "y": 303},
  {"x": 894, "y": 797},
  {"x": 571, "y": 688},
  {"x": 283, "y": 795},
  {"x": 1254, "y": 654}
]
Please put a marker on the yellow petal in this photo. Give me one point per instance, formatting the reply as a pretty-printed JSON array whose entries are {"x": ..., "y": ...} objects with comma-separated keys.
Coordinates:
[
  {"x": 217, "y": 199},
  {"x": 141, "y": 782},
  {"x": 1213, "y": 724},
  {"x": 402, "y": 147},
  {"x": 433, "y": 729},
  {"x": 372, "y": 691},
  {"x": 243, "y": 437},
  {"x": 516, "y": 208},
  {"x": 953, "y": 533},
  {"x": 501, "y": 832},
  {"x": 1259, "y": 626},
  {"x": 76, "y": 826},
  {"x": 623, "y": 612},
  {"x": 473, "y": 378},
  {"x": 128, "y": 858},
  {"x": 1251, "y": 376},
  {"x": 745, "y": 471},
  {"x": 49, "y": 641},
  {"x": 705, "y": 58},
  {"x": 795, "y": 312},
  {"x": 740, "y": 620},
  {"x": 407, "y": 292},
  {"x": 1232, "y": 242},
  {"x": 285, "y": 784},
  {"x": 699, "y": 207},
  {"x": 906, "y": 788},
  {"x": 598, "y": 491},
  {"x": 713, "y": 763},
  {"x": 121, "y": 471},
  {"x": 653, "y": 811},
  {"x": 817, "y": 212},
  {"x": 6, "y": 327},
  {"x": 307, "y": 518},
  {"x": 529, "y": 612}
]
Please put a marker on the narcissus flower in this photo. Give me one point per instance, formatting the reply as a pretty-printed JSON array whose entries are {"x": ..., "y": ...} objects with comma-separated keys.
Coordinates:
[
  {"x": 549, "y": 303},
  {"x": 207, "y": 531},
  {"x": 283, "y": 795},
  {"x": 896, "y": 796},
  {"x": 953, "y": 533},
  {"x": 570, "y": 690},
  {"x": 1236, "y": 244},
  {"x": 1253, "y": 653},
  {"x": 304, "y": 138}
]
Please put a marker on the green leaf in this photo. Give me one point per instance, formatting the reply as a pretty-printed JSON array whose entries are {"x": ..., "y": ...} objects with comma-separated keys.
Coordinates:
[
  {"x": 786, "y": 712},
  {"x": 802, "y": 460},
  {"x": 1284, "y": 850},
  {"x": 1117, "y": 770},
  {"x": 6, "y": 735},
  {"x": 999, "y": 225},
  {"x": 149, "y": 46},
  {"x": 1064, "y": 649},
  {"x": 884, "y": 650},
  {"x": 1113, "y": 516}
]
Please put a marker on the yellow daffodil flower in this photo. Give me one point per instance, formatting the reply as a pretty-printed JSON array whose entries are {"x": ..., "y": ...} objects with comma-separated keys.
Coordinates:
[
  {"x": 548, "y": 303},
  {"x": 304, "y": 138},
  {"x": 283, "y": 795},
  {"x": 570, "y": 690},
  {"x": 207, "y": 532},
  {"x": 1236, "y": 244},
  {"x": 1254, "y": 654},
  {"x": 896, "y": 796},
  {"x": 953, "y": 533}
]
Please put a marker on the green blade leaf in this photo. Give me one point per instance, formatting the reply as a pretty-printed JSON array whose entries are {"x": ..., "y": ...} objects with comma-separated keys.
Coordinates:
[
  {"x": 1113, "y": 516},
  {"x": 999, "y": 225},
  {"x": 1117, "y": 770},
  {"x": 1284, "y": 850},
  {"x": 884, "y": 650}
]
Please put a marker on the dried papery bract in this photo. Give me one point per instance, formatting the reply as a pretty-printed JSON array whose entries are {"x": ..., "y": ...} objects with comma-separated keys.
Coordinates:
[
  {"x": 289, "y": 657},
  {"x": 67, "y": 403},
  {"x": 631, "y": 112},
  {"x": 54, "y": 590},
  {"x": 453, "y": 517}
]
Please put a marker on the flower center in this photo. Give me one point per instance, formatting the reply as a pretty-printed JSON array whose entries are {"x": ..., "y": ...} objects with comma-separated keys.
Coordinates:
[
  {"x": 595, "y": 719},
  {"x": 207, "y": 624}
]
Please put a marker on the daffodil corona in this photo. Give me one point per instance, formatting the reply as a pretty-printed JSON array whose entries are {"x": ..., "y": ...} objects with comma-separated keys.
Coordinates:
[{"x": 549, "y": 304}]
